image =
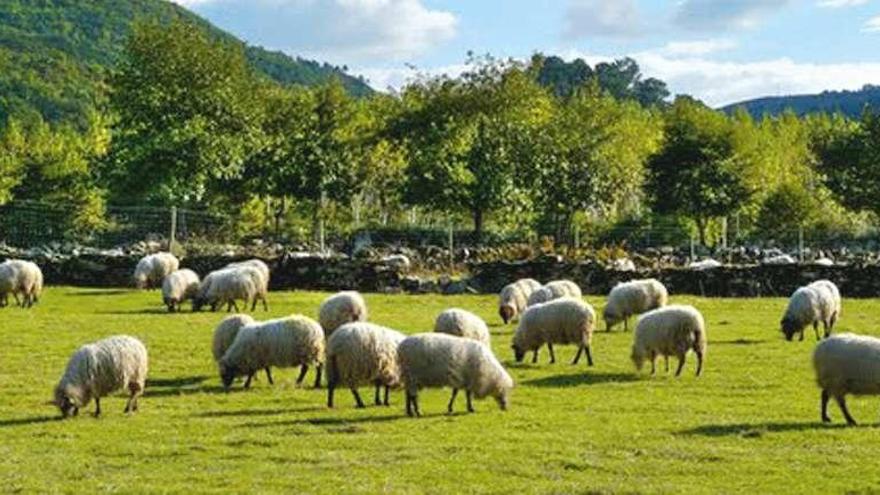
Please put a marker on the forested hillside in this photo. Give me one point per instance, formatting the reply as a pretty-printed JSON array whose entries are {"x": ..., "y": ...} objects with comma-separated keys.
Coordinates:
[{"x": 849, "y": 103}]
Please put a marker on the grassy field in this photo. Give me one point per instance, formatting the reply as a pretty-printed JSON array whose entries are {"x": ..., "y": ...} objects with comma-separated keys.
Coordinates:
[{"x": 749, "y": 424}]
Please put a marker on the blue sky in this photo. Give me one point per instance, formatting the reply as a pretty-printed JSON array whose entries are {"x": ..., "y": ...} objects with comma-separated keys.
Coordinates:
[{"x": 721, "y": 51}]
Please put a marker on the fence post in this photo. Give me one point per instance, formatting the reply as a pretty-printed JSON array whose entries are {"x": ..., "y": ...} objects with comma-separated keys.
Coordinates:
[
  {"x": 693, "y": 249},
  {"x": 801, "y": 243},
  {"x": 724, "y": 233},
  {"x": 451, "y": 246},
  {"x": 173, "y": 233},
  {"x": 577, "y": 237}
]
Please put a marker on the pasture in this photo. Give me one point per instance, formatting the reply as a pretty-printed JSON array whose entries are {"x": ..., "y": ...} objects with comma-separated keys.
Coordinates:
[{"x": 749, "y": 424}]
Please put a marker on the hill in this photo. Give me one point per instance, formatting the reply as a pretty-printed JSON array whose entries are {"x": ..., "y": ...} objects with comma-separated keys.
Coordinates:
[
  {"x": 55, "y": 54},
  {"x": 850, "y": 103}
]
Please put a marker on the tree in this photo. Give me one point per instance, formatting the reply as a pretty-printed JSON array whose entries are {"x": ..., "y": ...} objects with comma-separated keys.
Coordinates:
[{"x": 785, "y": 210}]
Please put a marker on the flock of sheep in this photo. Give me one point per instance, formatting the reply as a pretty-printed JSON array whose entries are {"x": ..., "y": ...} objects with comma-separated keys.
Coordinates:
[{"x": 457, "y": 354}]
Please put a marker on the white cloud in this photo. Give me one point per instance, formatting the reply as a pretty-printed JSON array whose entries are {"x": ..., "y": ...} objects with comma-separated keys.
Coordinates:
[
  {"x": 697, "y": 48},
  {"x": 716, "y": 15},
  {"x": 836, "y": 4},
  {"x": 872, "y": 25},
  {"x": 381, "y": 79},
  {"x": 604, "y": 18}
]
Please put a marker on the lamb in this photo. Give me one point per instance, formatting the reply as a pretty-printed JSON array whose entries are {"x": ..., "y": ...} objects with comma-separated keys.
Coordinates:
[
  {"x": 362, "y": 353},
  {"x": 20, "y": 276},
  {"x": 632, "y": 298},
  {"x": 560, "y": 321},
  {"x": 153, "y": 268},
  {"x": 227, "y": 285},
  {"x": 819, "y": 301},
  {"x": 846, "y": 364},
  {"x": 669, "y": 331},
  {"x": 554, "y": 290},
  {"x": 178, "y": 287},
  {"x": 341, "y": 308},
  {"x": 224, "y": 336},
  {"x": 99, "y": 369},
  {"x": 439, "y": 360},
  {"x": 514, "y": 297},
  {"x": 461, "y": 323},
  {"x": 285, "y": 342}
]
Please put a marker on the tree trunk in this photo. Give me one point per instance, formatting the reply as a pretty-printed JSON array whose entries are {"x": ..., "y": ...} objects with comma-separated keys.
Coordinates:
[
  {"x": 701, "y": 228},
  {"x": 478, "y": 225},
  {"x": 280, "y": 210}
]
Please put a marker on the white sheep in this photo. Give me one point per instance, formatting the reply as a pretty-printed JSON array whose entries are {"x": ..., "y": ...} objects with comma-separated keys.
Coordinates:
[
  {"x": 99, "y": 369},
  {"x": 341, "y": 308},
  {"x": 514, "y": 298},
  {"x": 362, "y": 353},
  {"x": 285, "y": 342},
  {"x": 632, "y": 298},
  {"x": 20, "y": 277},
  {"x": 152, "y": 269},
  {"x": 554, "y": 290},
  {"x": 669, "y": 331},
  {"x": 560, "y": 321},
  {"x": 179, "y": 286},
  {"x": 846, "y": 364},
  {"x": 461, "y": 323},
  {"x": 814, "y": 303},
  {"x": 623, "y": 265},
  {"x": 439, "y": 360},
  {"x": 261, "y": 267},
  {"x": 224, "y": 336},
  {"x": 227, "y": 285}
]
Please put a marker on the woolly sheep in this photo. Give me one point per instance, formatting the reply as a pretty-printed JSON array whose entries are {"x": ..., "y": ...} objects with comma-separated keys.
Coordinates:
[
  {"x": 439, "y": 360},
  {"x": 669, "y": 331},
  {"x": 632, "y": 298},
  {"x": 224, "y": 336},
  {"x": 179, "y": 286},
  {"x": 362, "y": 353},
  {"x": 285, "y": 342},
  {"x": 514, "y": 297},
  {"x": 560, "y": 321},
  {"x": 227, "y": 285},
  {"x": 554, "y": 290},
  {"x": 99, "y": 369},
  {"x": 819, "y": 301},
  {"x": 341, "y": 308},
  {"x": 846, "y": 364},
  {"x": 20, "y": 277},
  {"x": 461, "y": 323},
  {"x": 261, "y": 267},
  {"x": 153, "y": 268}
]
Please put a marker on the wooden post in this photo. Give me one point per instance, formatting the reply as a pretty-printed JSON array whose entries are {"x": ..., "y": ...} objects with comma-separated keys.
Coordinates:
[
  {"x": 173, "y": 233},
  {"x": 693, "y": 249},
  {"x": 451, "y": 246},
  {"x": 801, "y": 243},
  {"x": 724, "y": 232}
]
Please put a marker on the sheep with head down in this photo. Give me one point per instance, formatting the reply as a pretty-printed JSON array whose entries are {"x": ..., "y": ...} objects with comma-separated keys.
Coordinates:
[
  {"x": 669, "y": 331},
  {"x": 341, "y": 308},
  {"x": 554, "y": 290},
  {"x": 362, "y": 353},
  {"x": 462, "y": 323},
  {"x": 514, "y": 298},
  {"x": 632, "y": 298},
  {"x": 809, "y": 305},
  {"x": 846, "y": 364},
  {"x": 152, "y": 269},
  {"x": 560, "y": 321}
]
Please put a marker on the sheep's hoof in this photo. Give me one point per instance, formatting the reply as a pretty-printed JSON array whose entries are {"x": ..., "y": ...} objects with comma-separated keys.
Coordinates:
[{"x": 826, "y": 419}]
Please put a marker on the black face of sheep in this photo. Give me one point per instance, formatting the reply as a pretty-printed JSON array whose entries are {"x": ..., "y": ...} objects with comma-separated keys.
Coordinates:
[
  {"x": 227, "y": 375},
  {"x": 506, "y": 314},
  {"x": 67, "y": 407},
  {"x": 197, "y": 303},
  {"x": 789, "y": 328},
  {"x": 502, "y": 401},
  {"x": 518, "y": 353}
]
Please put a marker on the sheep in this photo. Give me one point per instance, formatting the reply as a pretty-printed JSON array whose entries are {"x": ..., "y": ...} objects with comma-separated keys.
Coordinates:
[
  {"x": 623, "y": 265},
  {"x": 461, "y": 323},
  {"x": 341, "y": 308},
  {"x": 554, "y": 290},
  {"x": 362, "y": 353},
  {"x": 261, "y": 267},
  {"x": 285, "y": 342},
  {"x": 439, "y": 360},
  {"x": 20, "y": 276},
  {"x": 669, "y": 331},
  {"x": 224, "y": 336},
  {"x": 8, "y": 283},
  {"x": 819, "y": 301},
  {"x": 227, "y": 285},
  {"x": 179, "y": 286},
  {"x": 846, "y": 364},
  {"x": 153, "y": 268},
  {"x": 560, "y": 321},
  {"x": 632, "y": 298},
  {"x": 513, "y": 298},
  {"x": 98, "y": 369}
]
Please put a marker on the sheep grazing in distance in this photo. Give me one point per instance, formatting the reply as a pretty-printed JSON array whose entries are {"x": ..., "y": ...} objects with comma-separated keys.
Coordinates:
[
  {"x": 99, "y": 369},
  {"x": 560, "y": 321},
  {"x": 362, "y": 353},
  {"x": 285, "y": 342},
  {"x": 227, "y": 285},
  {"x": 179, "y": 286},
  {"x": 554, "y": 290},
  {"x": 513, "y": 299},
  {"x": 461, "y": 323},
  {"x": 224, "y": 336},
  {"x": 669, "y": 331},
  {"x": 152, "y": 269},
  {"x": 814, "y": 303},
  {"x": 439, "y": 360},
  {"x": 20, "y": 277},
  {"x": 341, "y": 308},
  {"x": 632, "y": 298},
  {"x": 262, "y": 269},
  {"x": 846, "y": 364}
]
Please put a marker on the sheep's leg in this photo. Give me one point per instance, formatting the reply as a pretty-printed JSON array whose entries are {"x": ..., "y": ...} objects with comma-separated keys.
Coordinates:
[
  {"x": 666, "y": 358},
  {"x": 841, "y": 401},
  {"x": 253, "y": 305},
  {"x": 415, "y": 402},
  {"x": 452, "y": 400},
  {"x": 577, "y": 357},
  {"x": 377, "y": 396},
  {"x": 97, "y": 407},
  {"x": 626, "y": 324},
  {"x": 535, "y": 356},
  {"x": 330, "y": 387},
  {"x": 552, "y": 354},
  {"x": 653, "y": 362},
  {"x": 357, "y": 398},
  {"x": 387, "y": 391},
  {"x": 824, "y": 406},
  {"x": 265, "y": 304},
  {"x": 827, "y": 327},
  {"x": 699, "y": 361},
  {"x": 75, "y": 411},
  {"x": 318, "y": 371},
  {"x": 816, "y": 329},
  {"x": 802, "y": 335},
  {"x": 17, "y": 301},
  {"x": 470, "y": 404},
  {"x": 409, "y": 410},
  {"x": 302, "y": 374},
  {"x": 681, "y": 359},
  {"x": 133, "y": 388},
  {"x": 247, "y": 382},
  {"x": 269, "y": 376}
]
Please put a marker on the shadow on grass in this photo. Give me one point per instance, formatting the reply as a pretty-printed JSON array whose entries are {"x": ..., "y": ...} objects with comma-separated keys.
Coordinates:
[
  {"x": 339, "y": 422},
  {"x": 100, "y": 292},
  {"x": 184, "y": 385},
  {"x": 150, "y": 311},
  {"x": 256, "y": 412},
  {"x": 748, "y": 430},
  {"x": 179, "y": 382},
  {"x": 740, "y": 342},
  {"x": 582, "y": 379},
  {"x": 9, "y": 423}
]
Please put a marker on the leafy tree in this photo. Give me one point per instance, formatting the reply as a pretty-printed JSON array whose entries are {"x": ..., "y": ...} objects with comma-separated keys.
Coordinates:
[{"x": 785, "y": 210}]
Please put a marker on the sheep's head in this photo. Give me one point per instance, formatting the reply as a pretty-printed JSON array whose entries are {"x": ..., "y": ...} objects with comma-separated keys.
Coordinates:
[
  {"x": 789, "y": 327},
  {"x": 503, "y": 399},
  {"x": 65, "y": 403},
  {"x": 227, "y": 375},
  {"x": 611, "y": 318},
  {"x": 518, "y": 353},
  {"x": 170, "y": 303},
  {"x": 198, "y": 303},
  {"x": 638, "y": 358},
  {"x": 506, "y": 312}
]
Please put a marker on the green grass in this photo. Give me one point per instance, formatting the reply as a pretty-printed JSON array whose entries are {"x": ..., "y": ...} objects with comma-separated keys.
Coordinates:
[{"x": 749, "y": 424}]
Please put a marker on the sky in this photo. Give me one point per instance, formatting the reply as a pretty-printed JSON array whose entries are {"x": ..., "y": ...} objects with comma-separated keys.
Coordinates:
[{"x": 721, "y": 51}]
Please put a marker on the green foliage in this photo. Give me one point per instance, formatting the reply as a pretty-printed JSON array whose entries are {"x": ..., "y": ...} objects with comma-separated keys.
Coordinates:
[
  {"x": 621, "y": 78},
  {"x": 785, "y": 210}
]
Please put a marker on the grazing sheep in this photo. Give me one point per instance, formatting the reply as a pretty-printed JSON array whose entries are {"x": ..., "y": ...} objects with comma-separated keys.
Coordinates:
[
  {"x": 846, "y": 364},
  {"x": 261, "y": 267},
  {"x": 669, "y": 331},
  {"x": 99, "y": 369},
  {"x": 362, "y": 353},
  {"x": 20, "y": 277},
  {"x": 227, "y": 285},
  {"x": 224, "y": 336},
  {"x": 819, "y": 301},
  {"x": 285, "y": 342},
  {"x": 153, "y": 268},
  {"x": 514, "y": 298},
  {"x": 560, "y": 321},
  {"x": 179, "y": 286},
  {"x": 438, "y": 360},
  {"x": 462, "y": 323},
  {"x": 341, "y": 308},
  {"x": 554, "y": 290},
  {"x": 632, "y": 298}
]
